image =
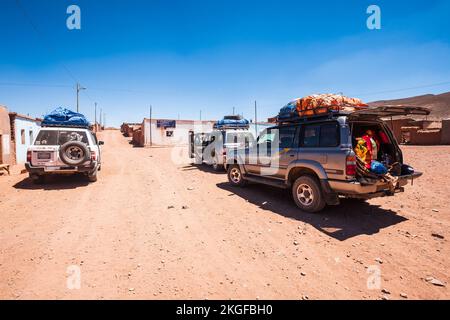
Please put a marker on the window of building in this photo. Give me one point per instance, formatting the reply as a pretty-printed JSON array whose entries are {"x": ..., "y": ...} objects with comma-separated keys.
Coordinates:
[
  {"x": 22, "y": 136},
  {"x": 31, "y": 136}
]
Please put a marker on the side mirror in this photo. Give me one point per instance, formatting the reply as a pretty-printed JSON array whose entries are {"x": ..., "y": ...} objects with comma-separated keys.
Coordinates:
[{"x": 100, "y": 143}]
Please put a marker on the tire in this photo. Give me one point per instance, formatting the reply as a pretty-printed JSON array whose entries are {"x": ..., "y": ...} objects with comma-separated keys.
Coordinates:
[
  {"x": 37, "y": 179},
  {"x": 235, "y": 176},
  {"x": 307, "y": 194},
  {"x": 198, "y": 160},
  {"x": 216, "y": 166},
  {"x": 74, "y": 153},
  {"x": 92, "y": 176}
]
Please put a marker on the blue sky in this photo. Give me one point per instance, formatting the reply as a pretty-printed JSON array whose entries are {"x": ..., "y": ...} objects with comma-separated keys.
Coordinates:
[{"x": 192, "y": 55}]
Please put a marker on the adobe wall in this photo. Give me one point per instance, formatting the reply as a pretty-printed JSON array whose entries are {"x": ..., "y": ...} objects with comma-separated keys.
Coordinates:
[
  {"x": 445, "y": 132},
  {"x": 426, "y": 137},
  {"x": 6, "y": 156}
]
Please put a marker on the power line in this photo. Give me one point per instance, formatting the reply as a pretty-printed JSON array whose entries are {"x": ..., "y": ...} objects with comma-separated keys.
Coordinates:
[
  {"x": 18, "y": 84},
  {"x": 403, "y": 89},
  {"x": 45, "y": 44},
  {"x": 41, "y": 37}
]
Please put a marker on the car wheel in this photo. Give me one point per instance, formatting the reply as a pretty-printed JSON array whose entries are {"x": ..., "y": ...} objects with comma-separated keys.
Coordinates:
[
  {"x": 216, "y": 166},
  {"x": 235, "y": 176},
  {"x": 37, "y": 179},
  {"x": 92, "y": 176},
  {"x": 74, "y": 153},
  {"x": 307, "y": 194},
  {"x": 198, "y": 159}
]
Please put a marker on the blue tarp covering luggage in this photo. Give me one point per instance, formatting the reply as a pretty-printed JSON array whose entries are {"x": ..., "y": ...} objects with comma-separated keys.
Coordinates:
[
  {"x": 232, "y": 123},
  {"x": 65, "y": 117},
  {"x": 288, "y": 112}
]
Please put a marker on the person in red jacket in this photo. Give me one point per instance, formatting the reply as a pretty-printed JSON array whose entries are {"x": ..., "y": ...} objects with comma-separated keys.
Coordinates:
[{"x": 373, "y": 146}]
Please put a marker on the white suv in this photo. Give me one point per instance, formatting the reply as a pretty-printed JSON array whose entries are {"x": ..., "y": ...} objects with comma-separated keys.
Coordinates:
[{"x": 63, "y": 150}]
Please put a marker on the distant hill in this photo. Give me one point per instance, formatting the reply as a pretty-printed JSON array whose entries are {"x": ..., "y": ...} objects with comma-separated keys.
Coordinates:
[{"x": 439, "y": 104}]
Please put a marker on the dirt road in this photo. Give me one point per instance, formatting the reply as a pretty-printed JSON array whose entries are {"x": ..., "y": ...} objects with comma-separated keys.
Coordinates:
[{"x": 151, "y": 228}]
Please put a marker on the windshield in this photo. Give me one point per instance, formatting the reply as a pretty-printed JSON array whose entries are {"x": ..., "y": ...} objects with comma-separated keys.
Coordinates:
[
  {"x": 54, "y": 137},
  {"x": 240, "y": 137}
]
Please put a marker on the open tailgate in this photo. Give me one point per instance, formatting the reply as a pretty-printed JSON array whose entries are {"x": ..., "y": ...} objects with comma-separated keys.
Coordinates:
[{"x": 390, "y": 111}]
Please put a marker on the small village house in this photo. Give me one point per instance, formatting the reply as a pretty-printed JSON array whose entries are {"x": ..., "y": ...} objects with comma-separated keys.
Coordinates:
[
  {"x": 6, "y": 156},
  {"x": 24, "y": 130},
  {"x": 167, "y": 132}
]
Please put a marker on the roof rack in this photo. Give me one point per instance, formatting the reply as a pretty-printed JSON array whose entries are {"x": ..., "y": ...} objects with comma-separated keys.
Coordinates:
[
  {"x": 49, "y": 125},
  {"x": 298, "y": 119},
  {"x": 226, "y": 127}
]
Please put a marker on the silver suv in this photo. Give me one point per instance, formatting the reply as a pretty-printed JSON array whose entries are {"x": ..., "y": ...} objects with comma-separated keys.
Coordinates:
[
  {"x": 212, "y": 148},
  {"x": 315, "y": 158},
  {"x": 64, "y": 150}
]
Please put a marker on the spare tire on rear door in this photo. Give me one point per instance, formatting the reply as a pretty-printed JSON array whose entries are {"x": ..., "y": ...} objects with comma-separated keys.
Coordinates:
[{"x": 74, "y": 153}]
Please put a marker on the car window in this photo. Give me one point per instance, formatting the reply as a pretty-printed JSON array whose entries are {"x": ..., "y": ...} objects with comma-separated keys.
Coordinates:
[
  {"x": 329, "y": 135},
  {"x": 94, "y": 138},
  {"x": 311, "y": 136},
  {"x": 47, "y": 138},
  {"x": 267, "y": 137},
  {"x": 320, "y": 135},
  {"x": 286, "y": 135},
  {"x": 69, "y": 135},
  {"x": 240, "y": 137}
]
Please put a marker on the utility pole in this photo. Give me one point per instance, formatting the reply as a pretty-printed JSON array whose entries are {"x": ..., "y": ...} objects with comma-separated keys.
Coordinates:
[
  {"x": 150, "y": 126},
  {"x": 256, "y": 120},
  {"x": 95, "y": 116},
  {"x": 79, "y": 88},
  {"x": 233, "y": 111},
  {"x": 200, "y": 115},
  {"x": 104, "y": 120},
  {"x": 100, "y": 118}
]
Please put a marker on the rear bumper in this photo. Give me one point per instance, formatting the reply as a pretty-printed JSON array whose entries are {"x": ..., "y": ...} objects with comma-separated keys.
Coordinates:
[
  {"x": 62, "y": 169},
  {"x": 354, "y": 188}
]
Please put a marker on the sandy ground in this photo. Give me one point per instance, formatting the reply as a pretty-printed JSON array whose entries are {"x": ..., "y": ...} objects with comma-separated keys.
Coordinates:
[{"x": 129, "y": 236}]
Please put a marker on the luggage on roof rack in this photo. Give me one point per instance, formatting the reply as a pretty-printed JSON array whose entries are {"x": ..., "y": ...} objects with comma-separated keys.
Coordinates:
[
  {"x": 62, "y": 117},
  {"x": 232, "y": 122},
  {"x": 318, "y": 105}
]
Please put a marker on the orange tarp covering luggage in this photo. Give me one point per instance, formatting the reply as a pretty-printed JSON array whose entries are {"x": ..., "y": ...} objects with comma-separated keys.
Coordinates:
[{"x": 323, "y": 103}]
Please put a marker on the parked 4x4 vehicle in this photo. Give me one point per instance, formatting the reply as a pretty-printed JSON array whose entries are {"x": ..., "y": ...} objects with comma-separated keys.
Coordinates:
[
  {"x": 315, "y": 157},
  {"x": 64, "y": 150},
  {"x": 211, "y": 148}
]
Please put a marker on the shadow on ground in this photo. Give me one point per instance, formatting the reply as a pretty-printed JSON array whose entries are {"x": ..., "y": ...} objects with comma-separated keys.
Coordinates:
[
  {"x": 54, "y": 182},
  {"x": 202, "y": 167},
  {"x": 351, "y": 218}
]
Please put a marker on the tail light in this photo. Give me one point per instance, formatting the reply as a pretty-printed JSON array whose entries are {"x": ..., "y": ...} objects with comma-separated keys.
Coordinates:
[
  {"x": 29, "y": 156},
  {"x": 93, "y": 156},
  {"x": 350, "y": 166}
]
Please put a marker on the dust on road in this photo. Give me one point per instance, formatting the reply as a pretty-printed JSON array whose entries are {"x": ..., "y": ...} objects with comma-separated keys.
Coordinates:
[{"x": 151, "y": 228}]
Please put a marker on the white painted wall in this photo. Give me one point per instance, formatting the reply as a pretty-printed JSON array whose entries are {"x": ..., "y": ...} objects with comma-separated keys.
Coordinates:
[
  {"x": 180, "y": 132},
  {"x": 29, "y": 126}
]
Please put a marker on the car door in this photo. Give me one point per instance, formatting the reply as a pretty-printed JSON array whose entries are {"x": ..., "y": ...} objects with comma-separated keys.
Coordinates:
[
  {"x": 287, "y": 149},
  {"x": 191, "y": 144},
  {"x": 320, "y": 142},
  {"x": 276, "y": 151},
  {"x": 251, "y": 153}
]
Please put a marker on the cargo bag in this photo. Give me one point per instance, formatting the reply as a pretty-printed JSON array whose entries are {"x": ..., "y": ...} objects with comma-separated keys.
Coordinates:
[
  {"x": 65, "y": 117},
  {"x": 319, "y": 104}
]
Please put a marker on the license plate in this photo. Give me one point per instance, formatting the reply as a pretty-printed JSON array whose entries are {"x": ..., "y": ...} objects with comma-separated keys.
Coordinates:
[
  {"x": 51, "y": 168},
  {"x": 44, "y": 155}
]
